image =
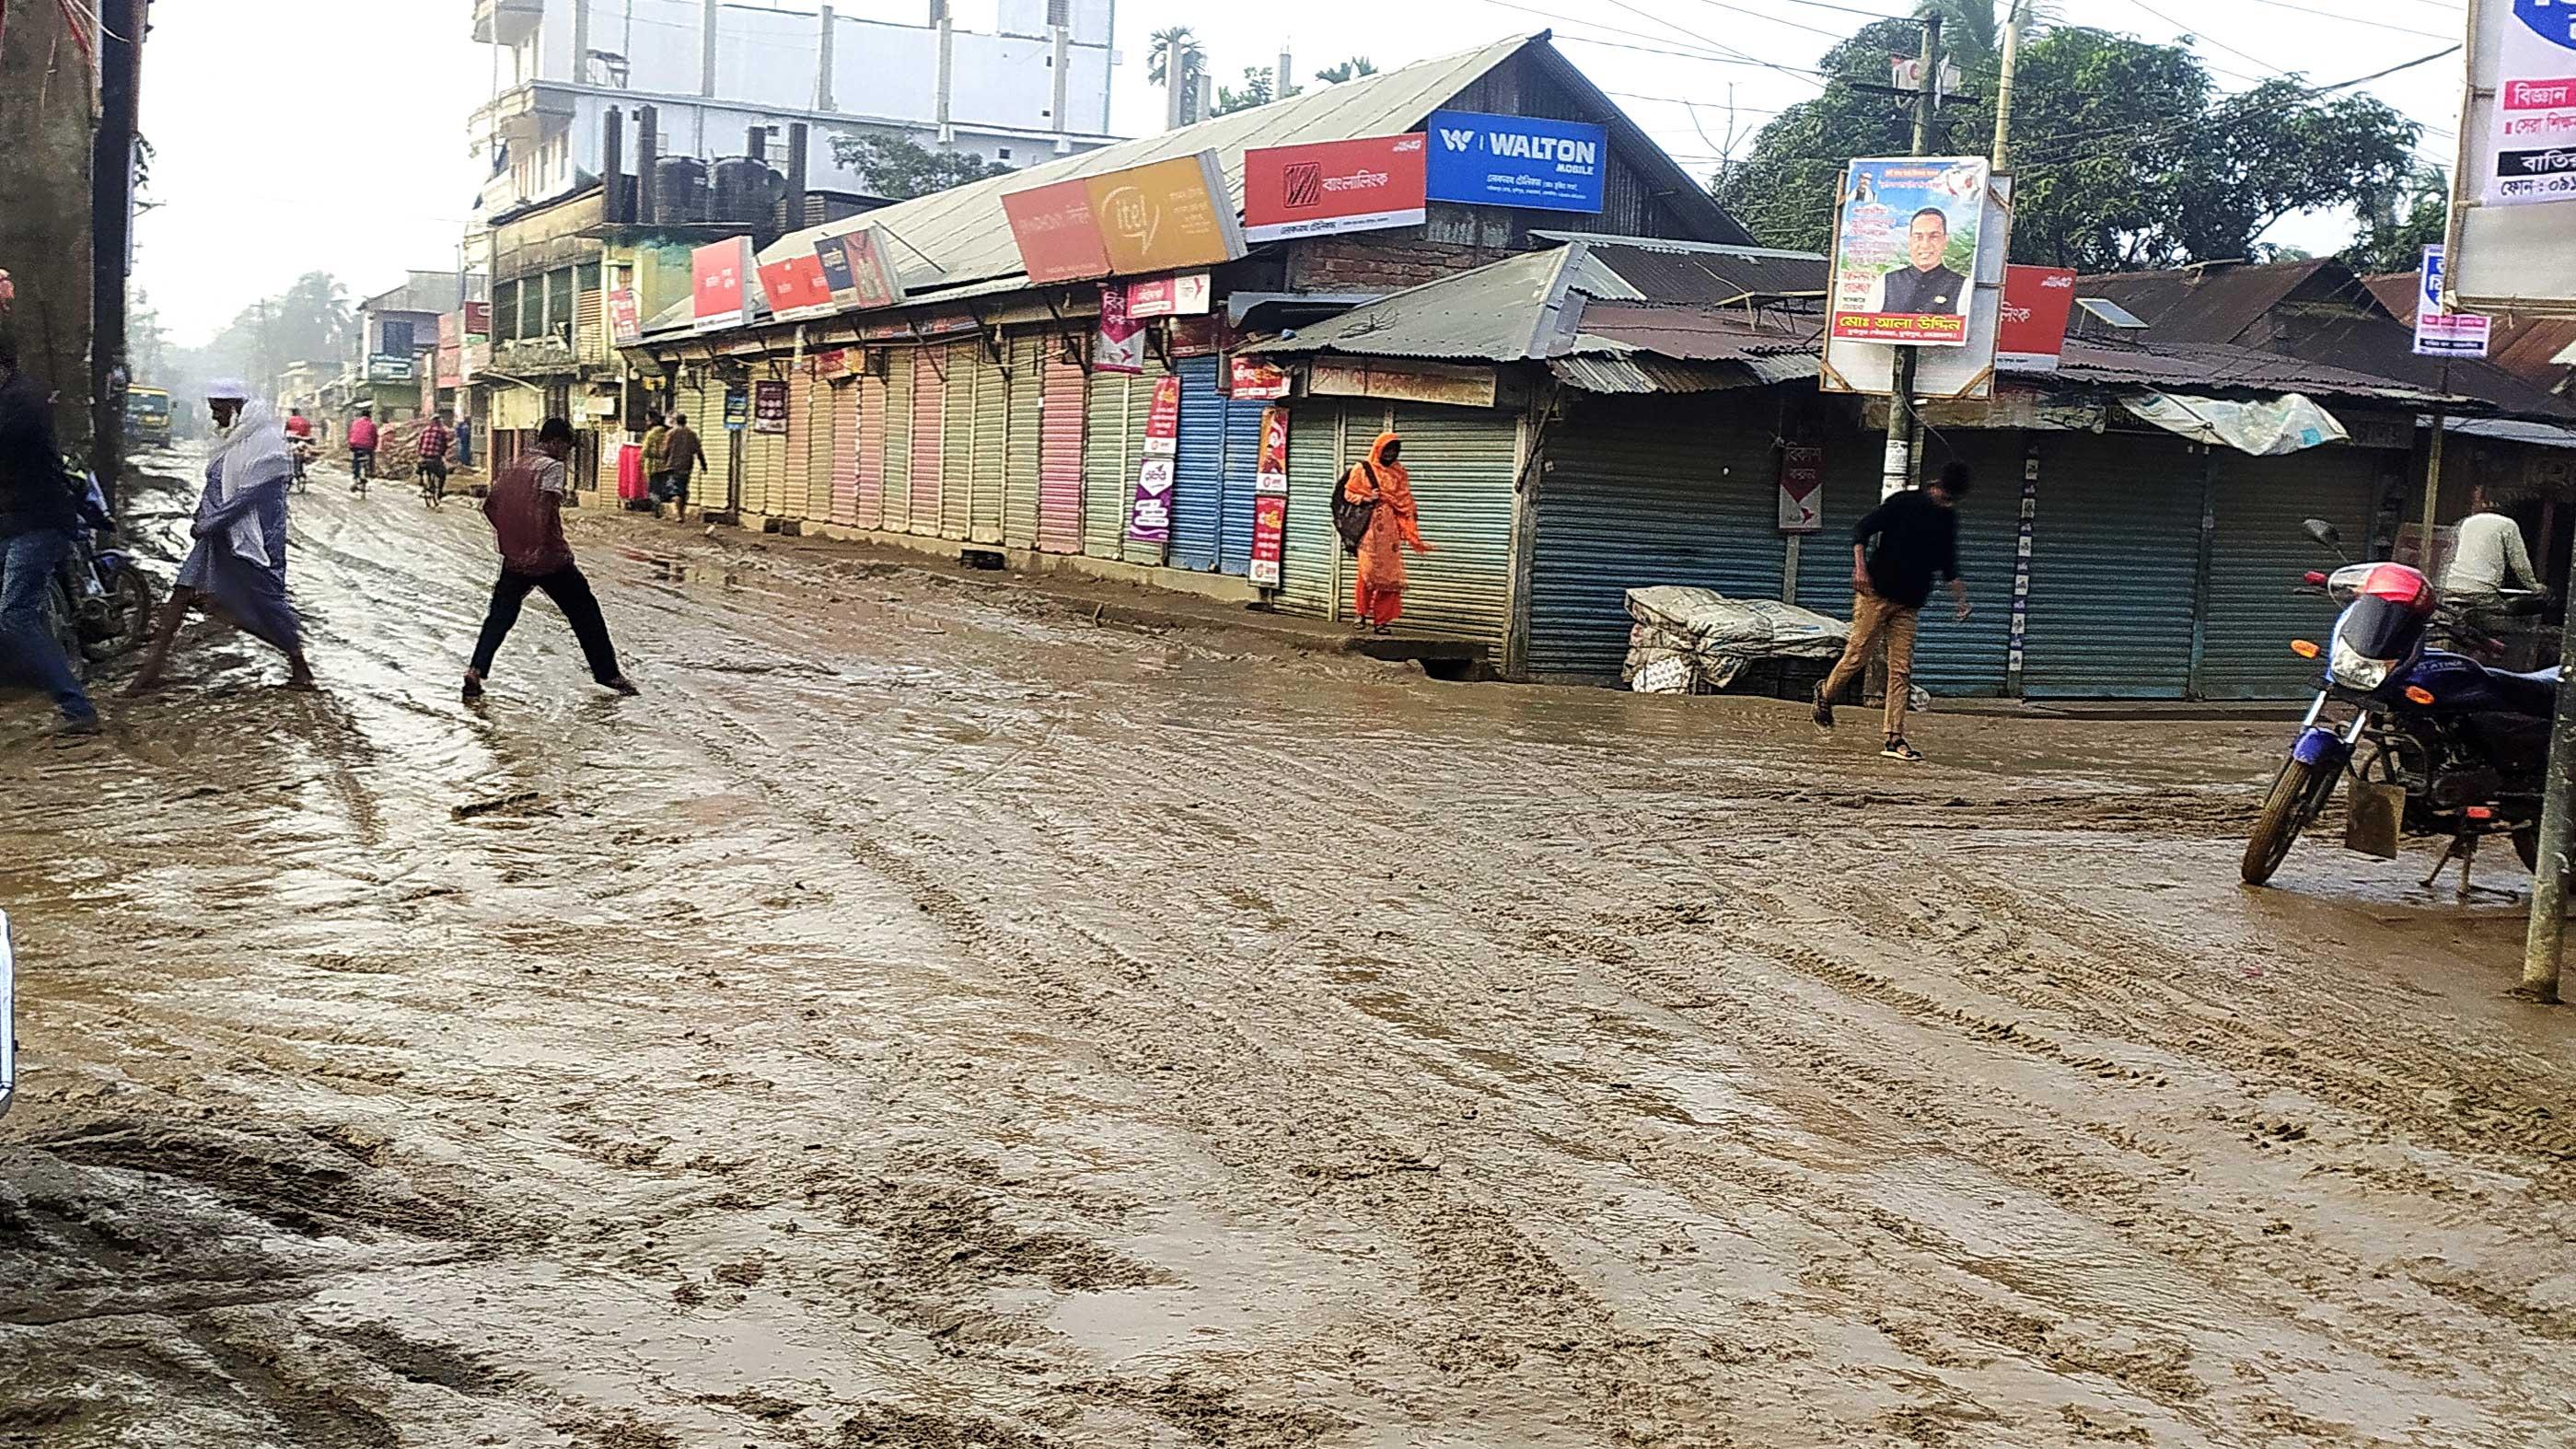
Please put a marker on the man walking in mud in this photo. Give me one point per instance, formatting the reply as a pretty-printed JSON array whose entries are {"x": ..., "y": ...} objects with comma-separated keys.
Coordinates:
[
  {"x": 1918, "y": 537},
  {"x": 526, "y": 509}
]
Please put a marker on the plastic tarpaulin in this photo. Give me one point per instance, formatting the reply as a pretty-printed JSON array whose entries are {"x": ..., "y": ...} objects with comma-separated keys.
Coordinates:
[
  {"x": 2285, "y": 424},
  {"x": 1690, "y": 641}
]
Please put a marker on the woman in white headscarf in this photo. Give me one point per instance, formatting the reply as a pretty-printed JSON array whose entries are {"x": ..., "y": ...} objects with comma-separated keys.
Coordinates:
[{"x": 237, "y": 570}]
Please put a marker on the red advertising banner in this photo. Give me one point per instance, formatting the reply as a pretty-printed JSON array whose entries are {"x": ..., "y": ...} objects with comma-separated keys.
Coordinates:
[
  {"x": 625, "y": 327},
  {"x": 478, "y": 319},
  {"x": 2031, "y": 329},
  {"x": 1250, "y": 377},
  {"x": 720, "y": 280},
  {"x": 1187, "y": 295},
  {"x": 1802, "y": 490},
  {"x": 1120, "y": 344},
  {"x": 1363, "y": 185},
  {"x": 1058, "y": 235},
  {"x": 1152, "y": 520},
  {"x": 1270, "y": 500},
  {"x": 795, "y": 287}
]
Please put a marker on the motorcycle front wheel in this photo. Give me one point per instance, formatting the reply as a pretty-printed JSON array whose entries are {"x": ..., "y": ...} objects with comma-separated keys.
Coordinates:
[
  {"x": 133, "y": 603},
  {"x": 2295, "y": 799},
  {"x": 62, "y": 621}
]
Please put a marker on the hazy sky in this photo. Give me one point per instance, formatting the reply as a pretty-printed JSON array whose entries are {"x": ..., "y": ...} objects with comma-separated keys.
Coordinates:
[{"x": 295, "y": 135}]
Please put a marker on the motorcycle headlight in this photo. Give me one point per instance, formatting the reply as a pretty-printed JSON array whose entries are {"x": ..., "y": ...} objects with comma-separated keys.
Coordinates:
[{"x": 2349, "y": 669}]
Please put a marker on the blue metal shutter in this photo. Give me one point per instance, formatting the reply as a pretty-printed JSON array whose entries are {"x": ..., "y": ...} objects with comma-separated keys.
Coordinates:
[
  {"x": 2115, "y": 554},
  {"x": 1313, "y": 570},
  {"x": 1974, "y": 658},
  {"x": 1462, "y": 463},
  {"x": 1635, "y": 496},
  {"x": 1198, "y": 489},
  {"x": 1242, "y": 476},
  {"x": 2259, "y": 551}
]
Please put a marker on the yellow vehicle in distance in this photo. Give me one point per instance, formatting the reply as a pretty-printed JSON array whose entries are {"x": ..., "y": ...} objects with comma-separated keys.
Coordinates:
[{"x": 147, "y": 416}]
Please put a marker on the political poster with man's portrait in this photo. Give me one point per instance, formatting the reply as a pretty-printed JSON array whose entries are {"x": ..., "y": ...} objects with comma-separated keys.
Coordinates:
[{"x": 1905, "y": 249}]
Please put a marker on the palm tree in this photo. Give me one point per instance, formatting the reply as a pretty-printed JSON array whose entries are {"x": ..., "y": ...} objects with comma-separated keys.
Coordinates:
[
  {"x": 1351, "y": 69},
  {"x": 1193, "y": 59}
]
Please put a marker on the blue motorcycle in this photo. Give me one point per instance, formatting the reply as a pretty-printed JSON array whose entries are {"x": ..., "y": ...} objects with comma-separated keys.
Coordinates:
[{"x": 2436, "y": 744}]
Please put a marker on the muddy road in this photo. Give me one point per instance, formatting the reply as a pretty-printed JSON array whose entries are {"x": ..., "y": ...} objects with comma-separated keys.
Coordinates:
[{"x": 929, "y": 1019}]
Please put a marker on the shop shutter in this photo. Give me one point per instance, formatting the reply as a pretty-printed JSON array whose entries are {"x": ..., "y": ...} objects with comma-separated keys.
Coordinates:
[
  {"x": 796, "y": 454},
  {"x": 2257, "y": 555},
  {"x": 1950, "y": 658},
  {"x": 845, "y": 452},
  {"x": 1635, "y": 495},
  {"x": 959, "y": 366},
  {"x": 1314, "y": 575},
  {"x": 1021, "y": 469},
  {"x": 821, "y": 443},
  {"x": 992, "y": 445},
  {"x": 1462, "y": 462},
  {"x": 872, "y": 450},
  {"x": 765, "y": 472},
  {"x": 929, "y": 438},
  {"x": 1060, "y": 457},
  {"x": 899, "y": 408},
  {"x": 2115, "y": 551},
  {"x": 1242, "y": 480},
  {"x": 1110, "y": 439},
  {"x": 1198, "y": 489}
]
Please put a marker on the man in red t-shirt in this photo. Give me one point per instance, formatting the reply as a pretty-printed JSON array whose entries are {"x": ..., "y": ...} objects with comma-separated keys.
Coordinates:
[
  {"x": 526, "y": 509},
  {"x": 297, "y": 424}
]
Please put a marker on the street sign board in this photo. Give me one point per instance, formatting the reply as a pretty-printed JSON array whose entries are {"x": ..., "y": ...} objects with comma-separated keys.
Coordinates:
[
  {"x": 796, "y": 288},
  {"x": 2030, "y": 335},
  {"x": 2439, "y": 333},
  {"x": 1522, "y": 161},
  {"x": 1967, "y": 371},
  {"x": 720, "y": 278},
  {"x": 1334, "y": 186},
  {"x": 2513, "y": 193},
  {"x": 1907, "y": 238}
]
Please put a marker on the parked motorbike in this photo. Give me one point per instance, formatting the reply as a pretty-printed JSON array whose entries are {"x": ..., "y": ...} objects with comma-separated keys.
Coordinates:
[
  {"x": 99, "y": 603},
  {"x": 2437, "y": 744}
]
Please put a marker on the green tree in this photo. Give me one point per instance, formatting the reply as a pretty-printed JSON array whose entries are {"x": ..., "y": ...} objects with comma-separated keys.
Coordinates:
[
  {"x": 898, "y": 168},
  {"x": 1256, "y": 92},
  {"x": 1349, "y": 70},
  {"x": 2126, "y": 152},
  {"x": 2403, "y": 223},
  {"x": 1193, "y": 57}
]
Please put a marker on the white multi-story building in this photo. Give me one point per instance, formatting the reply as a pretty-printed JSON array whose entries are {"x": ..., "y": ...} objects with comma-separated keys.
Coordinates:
[{"x": 1035, "y": 88}]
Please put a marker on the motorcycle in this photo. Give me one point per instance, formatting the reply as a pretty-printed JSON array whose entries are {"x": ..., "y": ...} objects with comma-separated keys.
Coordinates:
[
  {"x": 2437, "y": 744},
  {"x": 303, "y": 452},
  {"x": 99, "y": 603}
]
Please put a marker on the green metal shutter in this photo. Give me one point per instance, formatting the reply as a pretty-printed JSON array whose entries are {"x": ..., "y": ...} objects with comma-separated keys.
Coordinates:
[
  {"x": 896, "y": 482},
  {"x": 1313, "y": 571},
  {"x": 1107, "y": 490},
  {"x": 1637, "y": 496},
  {"x": 2258, "y": 553},
  {"x": 957, "y": 461},
  {"x": 992, "y": 447},
  {"x": 2115, "y": 553},
  {"x": 1020, "y": 471},
  {"x": 1462, "y": 462}
]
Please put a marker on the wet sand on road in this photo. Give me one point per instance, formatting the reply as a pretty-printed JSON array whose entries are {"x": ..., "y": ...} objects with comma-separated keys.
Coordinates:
[{"x": 928, "y": 1019}]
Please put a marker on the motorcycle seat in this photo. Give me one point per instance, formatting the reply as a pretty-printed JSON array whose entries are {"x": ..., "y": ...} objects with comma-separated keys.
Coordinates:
[{"x": 2532, "y": 693}]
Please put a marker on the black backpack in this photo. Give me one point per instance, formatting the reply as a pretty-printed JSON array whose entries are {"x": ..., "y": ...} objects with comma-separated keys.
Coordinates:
[{"x": 1351, "y": 517}]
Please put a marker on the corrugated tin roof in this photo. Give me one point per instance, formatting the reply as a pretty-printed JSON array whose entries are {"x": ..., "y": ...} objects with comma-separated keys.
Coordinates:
[
  {"x": 1507, "y": 311},
  {"x": 2534, "y": 349},
  {"x": 2205, "y": 367},
  {"x": 1704, "y": 333},
  {"x": 952, "y": 238},
  {"x": 2215, "y": 303},
  {"x": 1640, "y": 373},
  {"x": 1687, "y": 272},
  {"x": 2509, "y": 430}
]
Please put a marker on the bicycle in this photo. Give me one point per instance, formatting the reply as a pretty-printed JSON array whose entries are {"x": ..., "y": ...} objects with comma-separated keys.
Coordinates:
[
  {"x": 362, "y": 466},
  {"x": 433, "y": 483}
]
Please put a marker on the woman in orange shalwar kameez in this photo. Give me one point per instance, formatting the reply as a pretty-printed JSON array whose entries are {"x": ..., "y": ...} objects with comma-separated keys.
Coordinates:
[{"x": 1393, "y": 523}]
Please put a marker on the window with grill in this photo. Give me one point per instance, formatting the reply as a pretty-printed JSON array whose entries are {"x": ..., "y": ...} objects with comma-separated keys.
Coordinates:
[{"x": 558, "y": 300}]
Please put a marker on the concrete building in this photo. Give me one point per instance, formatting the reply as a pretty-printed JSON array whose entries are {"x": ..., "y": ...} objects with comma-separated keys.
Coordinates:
[
  {"x": 398, "y": 332},
  {"x": 1036, "y": 90}
]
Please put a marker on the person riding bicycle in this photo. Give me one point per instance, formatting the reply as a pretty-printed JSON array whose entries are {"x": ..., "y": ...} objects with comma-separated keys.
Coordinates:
[
  {"x": 362, "y": 449},
  {"x": 435, "y": 440}
]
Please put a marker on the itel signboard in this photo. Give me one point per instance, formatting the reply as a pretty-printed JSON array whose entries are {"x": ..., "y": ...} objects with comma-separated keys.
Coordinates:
[
  {"x": 1363, "y": 185},
  {"x": 720, "y": 278}
]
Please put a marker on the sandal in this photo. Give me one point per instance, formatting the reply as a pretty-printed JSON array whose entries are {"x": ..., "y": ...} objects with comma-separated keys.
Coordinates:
[{"x": 1898, "y": 749}]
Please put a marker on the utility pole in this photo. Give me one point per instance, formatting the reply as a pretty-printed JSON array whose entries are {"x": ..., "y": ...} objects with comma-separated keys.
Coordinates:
[
  {"x": 2544, "y": 940},
  {"x": 120, "y": 85},
  {"x": 1897, "y": 474},
  {"x": 2004, "y": 87},
  {"x": 2433, "y": 470}
]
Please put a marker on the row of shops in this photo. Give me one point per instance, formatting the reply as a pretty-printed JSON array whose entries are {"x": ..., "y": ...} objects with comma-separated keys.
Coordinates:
[{"x": 1584, "y": 413}]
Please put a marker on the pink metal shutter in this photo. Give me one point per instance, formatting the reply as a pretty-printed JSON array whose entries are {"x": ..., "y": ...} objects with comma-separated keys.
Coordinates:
[
  {"x": 929, "y": 410},
  {"x": 871, "y": 462},
  {"x": 1060, "y": 459},
  {"x": 845, "y": 452}
]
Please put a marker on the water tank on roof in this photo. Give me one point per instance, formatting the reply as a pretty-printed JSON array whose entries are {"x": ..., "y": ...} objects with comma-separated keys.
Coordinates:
[
  {"x": 746, "y": 190},
  {"x": 680, "y": 189}
]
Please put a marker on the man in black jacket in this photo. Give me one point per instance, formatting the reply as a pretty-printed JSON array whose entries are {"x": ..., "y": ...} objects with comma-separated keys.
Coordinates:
[
  {"x": 1918, "y": 536},
  {"x": 37, "y": 516}
]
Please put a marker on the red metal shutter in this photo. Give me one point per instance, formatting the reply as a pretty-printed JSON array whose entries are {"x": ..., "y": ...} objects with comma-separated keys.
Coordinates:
[
  {"x": 929, "y": 410},
  {"x": 1060, "y": 459},
  {"x": 872, "y": 451}
]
